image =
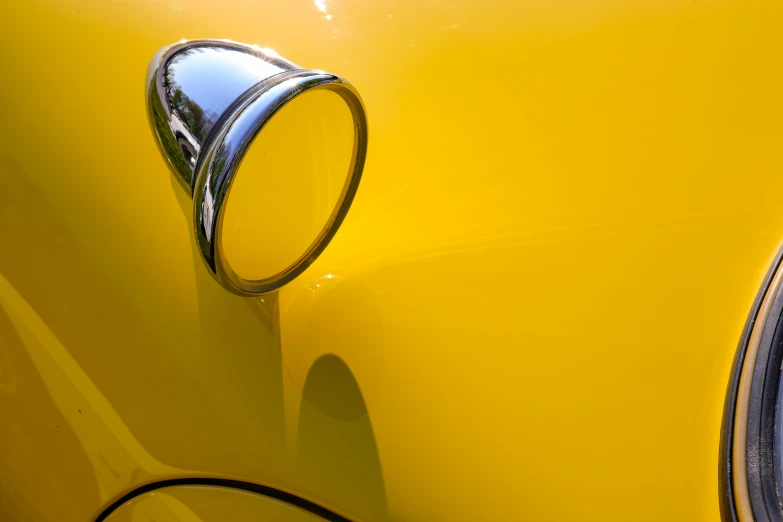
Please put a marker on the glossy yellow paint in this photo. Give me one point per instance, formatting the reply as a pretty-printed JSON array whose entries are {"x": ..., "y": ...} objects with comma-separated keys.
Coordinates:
[
  {"x": 529, "y": 313},
  {"x": 207, "y": 504}
]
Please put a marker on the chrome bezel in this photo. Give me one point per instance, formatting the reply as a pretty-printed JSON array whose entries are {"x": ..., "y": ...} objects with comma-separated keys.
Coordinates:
[{"x": 205, "y": 162}]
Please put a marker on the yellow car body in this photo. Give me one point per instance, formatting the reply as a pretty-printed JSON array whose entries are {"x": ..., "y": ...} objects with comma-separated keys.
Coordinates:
[{"x": 529, "y": 313}]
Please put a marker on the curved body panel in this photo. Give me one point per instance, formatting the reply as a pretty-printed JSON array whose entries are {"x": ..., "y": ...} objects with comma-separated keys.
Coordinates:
[{"x": 530, "y": 312}]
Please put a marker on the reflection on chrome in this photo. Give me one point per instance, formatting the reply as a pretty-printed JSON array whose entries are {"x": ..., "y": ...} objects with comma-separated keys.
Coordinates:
[
  {"x": 193, "y": 84},
  {"x": 206, "y": 101}
]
